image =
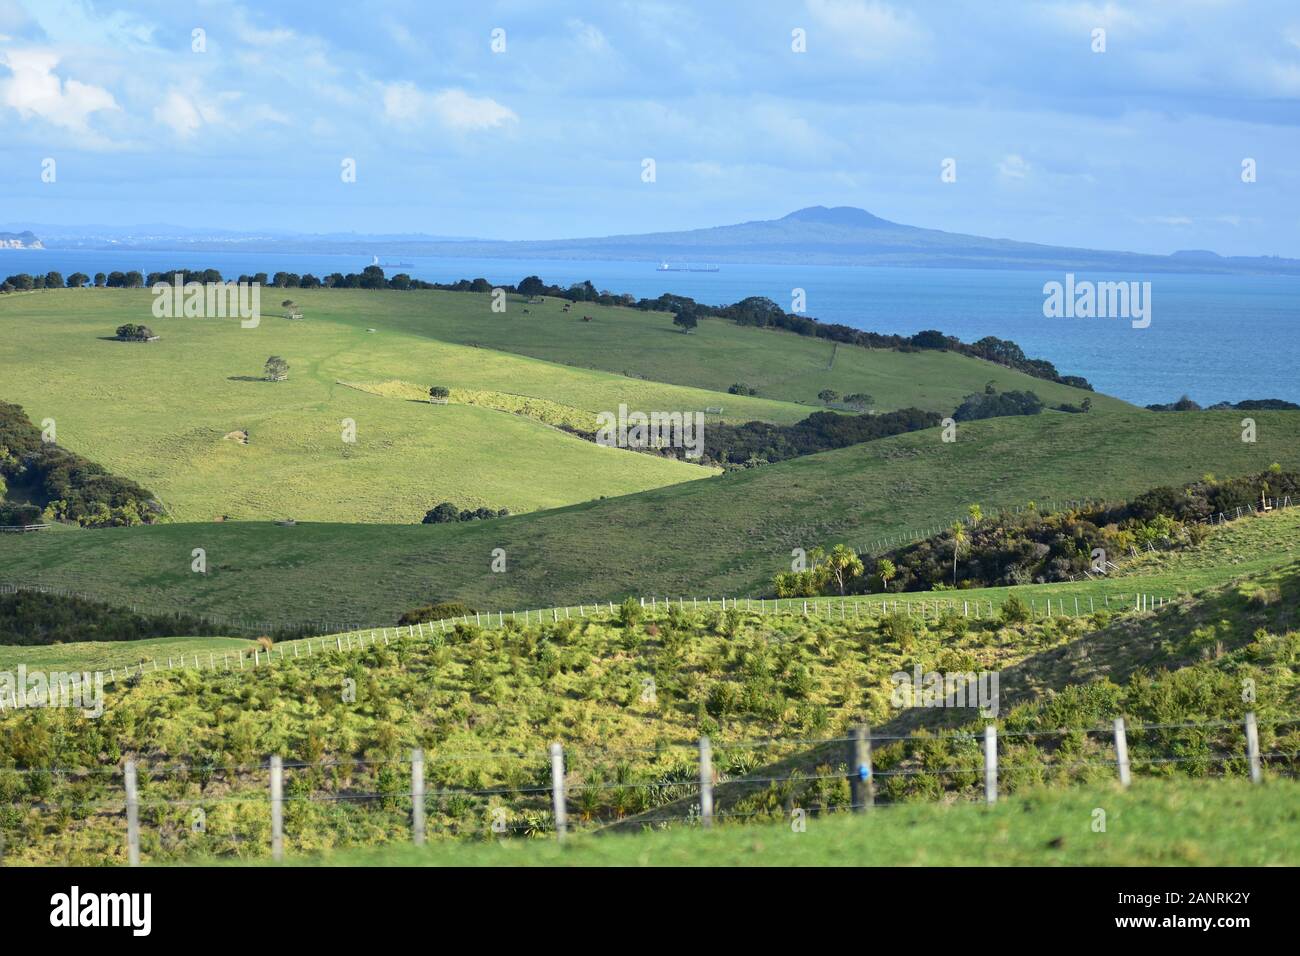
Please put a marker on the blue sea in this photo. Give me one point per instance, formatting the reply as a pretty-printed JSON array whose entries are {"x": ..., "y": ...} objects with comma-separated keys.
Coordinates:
[{"x": 1213, "y": 337}]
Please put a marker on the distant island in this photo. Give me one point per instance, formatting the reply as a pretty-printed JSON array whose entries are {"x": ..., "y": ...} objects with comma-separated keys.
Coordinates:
[
  {"x": 19, "y": 240},
  {"x": 816, "y": 235}
]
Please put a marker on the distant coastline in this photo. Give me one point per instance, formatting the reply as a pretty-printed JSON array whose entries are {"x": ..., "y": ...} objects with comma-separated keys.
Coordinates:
[{"x": 817, "y": 235}]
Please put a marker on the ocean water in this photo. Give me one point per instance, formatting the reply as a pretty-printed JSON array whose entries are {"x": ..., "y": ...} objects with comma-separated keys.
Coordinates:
[{"x": 1213, "y": 337}]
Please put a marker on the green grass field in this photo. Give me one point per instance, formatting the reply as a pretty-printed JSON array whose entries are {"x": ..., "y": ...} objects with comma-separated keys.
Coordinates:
[
  {"x": 782, "y": 366},
  {"x": 1167, "y": 823},
  {"x": 720, "y": 536},
  {"x": 107, "y": 655},
  {"x": 160, "y": 413}
]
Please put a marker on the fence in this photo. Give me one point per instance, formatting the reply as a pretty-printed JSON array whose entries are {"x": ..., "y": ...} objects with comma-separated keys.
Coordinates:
[
  {"x": 687, "y": 798},
  {"x": 845, "y": 609},
  {"x": 331, "y": 627}
]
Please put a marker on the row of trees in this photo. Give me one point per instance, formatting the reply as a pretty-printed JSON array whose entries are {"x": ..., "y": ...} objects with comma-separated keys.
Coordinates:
[
  {"x": 23, "y": 282},
  {"x": 447, "y": 512},
  {"x": 1036, "y": 548},
  {"x": 764, "y": 313},
  {"x": 760, "y": 442}
]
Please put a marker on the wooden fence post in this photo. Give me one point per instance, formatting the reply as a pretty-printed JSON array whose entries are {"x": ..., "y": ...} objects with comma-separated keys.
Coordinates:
[
  {"x": 277, "y": 807},
  {"x": 1252, "y": 747},
  {"x": 862, "y": 785},
  {"x": 557, "y": 790},
  {"x": 132, "y": 816},
  {"x": 706, "y": 783},
  {"x": 417, "y": 796},
  {"x": 1121, "y": 752},
  {"x": 990, "y": 763}
]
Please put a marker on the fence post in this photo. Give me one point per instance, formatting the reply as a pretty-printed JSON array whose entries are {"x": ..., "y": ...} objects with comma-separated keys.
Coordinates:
[
  {"x": 706, "y": 783},
  {"x": 557, "y": 790},
  {"x": 1252, "y": 747},
  {"x": 862, "y": 785},
  {"x": 132, "y": 816},
  {"x": 990, "y": 763},
  {"x": 1121, "y": 752},
  {"x": 417, "y": 796},
  {"x": 277, "y": 807}
]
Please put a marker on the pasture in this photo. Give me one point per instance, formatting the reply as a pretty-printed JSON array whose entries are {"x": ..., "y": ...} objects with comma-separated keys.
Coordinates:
[{"x": 726, "y": 535}]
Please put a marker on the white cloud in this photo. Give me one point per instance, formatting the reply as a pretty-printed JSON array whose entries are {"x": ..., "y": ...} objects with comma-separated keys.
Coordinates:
[
  {"x": 868, "y": 29},
  {"x": 454, "y": 108},
  {"x": 186, "y": 113},
  {"x": 34, "y": 89}
]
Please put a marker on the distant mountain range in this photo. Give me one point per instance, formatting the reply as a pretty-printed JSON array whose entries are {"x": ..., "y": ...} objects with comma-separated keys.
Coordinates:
[{"x": 841, "y": 235}]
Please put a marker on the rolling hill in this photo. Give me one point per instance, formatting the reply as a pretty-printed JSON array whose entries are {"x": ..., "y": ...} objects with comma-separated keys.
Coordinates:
[{"x": 726, "y": 535}]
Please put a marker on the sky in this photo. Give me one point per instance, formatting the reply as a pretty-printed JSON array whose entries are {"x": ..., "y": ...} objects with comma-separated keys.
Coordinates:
[{"x": 529, "y": 120}]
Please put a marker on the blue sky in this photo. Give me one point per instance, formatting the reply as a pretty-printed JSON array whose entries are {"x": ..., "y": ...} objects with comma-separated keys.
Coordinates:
[{"x": 1139, "y": 147}]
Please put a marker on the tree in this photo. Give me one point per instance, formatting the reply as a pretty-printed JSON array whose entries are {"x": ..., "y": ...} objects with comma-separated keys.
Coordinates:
[
  {"x": 859, "y": 400},
  {"x": 532, "y": 285},
  {"x": 686, "y": 321},
  {"x": 134, "y": 333},
  {"x": 1087, "y": 405},
  {"x": 976, "y": 514},
  {"x": 885, "y": 568},
  {"x": 958, "y": 542},
  {"x": 441, "y": 514},
  {"x": 844, "y": 565},
  {"x": 77, "y": 280},
  {"x": 828, "y": 395},
  {"x": 439, "y": 393},
  {"x": 277, "y": 369}
]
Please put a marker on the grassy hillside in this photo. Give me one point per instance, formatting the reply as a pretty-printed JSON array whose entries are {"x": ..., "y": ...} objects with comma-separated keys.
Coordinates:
[
  {"x": 1171, "y": 823},
  {"x": 163, "y": 414},
  {"x": 725, "y": 535},
  {"x": 628, "y": 701},
  {"x": 108, "y": 655},
  {"x": 783, "y": 366}
]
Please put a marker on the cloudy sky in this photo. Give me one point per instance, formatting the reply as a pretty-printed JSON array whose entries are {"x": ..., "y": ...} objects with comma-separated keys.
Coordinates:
[{"x": 247, "y": 123}]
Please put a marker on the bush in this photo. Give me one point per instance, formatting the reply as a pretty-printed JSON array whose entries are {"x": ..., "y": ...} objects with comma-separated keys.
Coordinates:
[
  {"x": 446, "y": 512},
  {"x": 901, "y": 629},
  {"x": 440, "y": 611},
  {"x": 1014, "y": 610},
  {"x": 630, "y": 612}
]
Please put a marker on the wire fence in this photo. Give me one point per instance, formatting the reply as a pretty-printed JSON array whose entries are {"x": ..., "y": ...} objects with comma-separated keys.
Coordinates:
[
  {"x": 861, "y": 609},
  {"x": 285, "y": 628},
  {"x": 259, "y": 808}
]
